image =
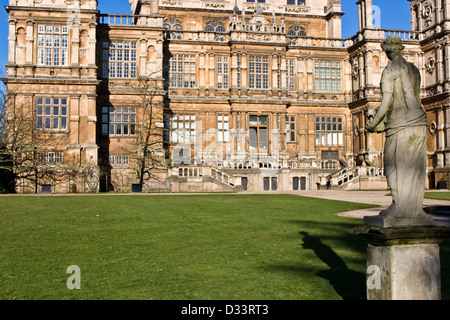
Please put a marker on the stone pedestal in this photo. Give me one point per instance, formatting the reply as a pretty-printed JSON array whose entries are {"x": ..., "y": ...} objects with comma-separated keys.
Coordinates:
[
  {"x": 385, "y": 221},
  {"x": 403, "y": 263}
]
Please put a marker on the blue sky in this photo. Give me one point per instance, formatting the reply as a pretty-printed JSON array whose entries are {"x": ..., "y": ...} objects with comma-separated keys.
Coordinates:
[{"x": 394, "y": 15}]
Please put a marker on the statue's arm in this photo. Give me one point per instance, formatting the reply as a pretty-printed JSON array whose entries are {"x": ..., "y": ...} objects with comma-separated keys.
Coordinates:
[
  {"x": 387, "y": 89},
  {"x": 381, "y": 112}
]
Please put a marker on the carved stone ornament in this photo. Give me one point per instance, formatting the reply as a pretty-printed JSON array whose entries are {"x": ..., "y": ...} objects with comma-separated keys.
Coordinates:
[
  {"x": 427, "y": 13},
  {"x": 430, "y": 65},
  {"x": 355, "y": 71},
  {"x": 432, "y": 127}
]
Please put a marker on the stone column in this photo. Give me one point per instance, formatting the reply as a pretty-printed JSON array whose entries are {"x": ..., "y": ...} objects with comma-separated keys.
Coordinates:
[
  {"x": 92, "y": 44},
  {"x": 143, "y": 45},
  {"x": 438, "y": 11},
  {"x": 201, "y": 68},
  {"x": 275, "y": 73},
  {"x": 234, "y": 72},
  {"x": 299, "y": 69},
  {"x": 368, "y": 68},
  {"x": 364, "y": 134},
  {"x": 75, "y": 43},
  {"x": 244, "y": 80},
  {"x": 310, "y": 76},
  {"x": 447, "y": 65},
  {"x": 29, "y": 42},
  {"x": 12, "y": 42},
  {"x": 440, "y": 137},
  {"x": 91, "y": 121},
  {"x": 311, "y": 137},
  {"x": 212, "y": 73},
  {"x": 368, "y": 14},
  {"x": 440, "y": 76},
  {"x": 347, "y": 77},
  {"x": 446, "y": 134},
  {"x": 362, "y": 76},
  {"x": 446, "y": 10},
  {"x": 74, "y": 148},
  {"x": 283, "y": 84},
  {"x": 360, "y": 16}
]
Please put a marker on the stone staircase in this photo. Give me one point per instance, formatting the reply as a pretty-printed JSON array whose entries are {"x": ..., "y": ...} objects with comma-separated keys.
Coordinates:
[
  {"x": 353, "y": 178},
  {"x": 201, "y": 179}
]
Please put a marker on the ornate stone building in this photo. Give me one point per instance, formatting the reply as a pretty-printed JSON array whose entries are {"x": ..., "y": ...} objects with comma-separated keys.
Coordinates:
[{"x": 209, "y": 95}]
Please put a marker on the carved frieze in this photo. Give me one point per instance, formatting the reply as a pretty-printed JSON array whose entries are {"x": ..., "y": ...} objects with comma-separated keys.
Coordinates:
[{"x": 297, "y": 9}]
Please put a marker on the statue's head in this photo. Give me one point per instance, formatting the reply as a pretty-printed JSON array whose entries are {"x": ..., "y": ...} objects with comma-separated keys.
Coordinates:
[{"x": 392, "y": 45}]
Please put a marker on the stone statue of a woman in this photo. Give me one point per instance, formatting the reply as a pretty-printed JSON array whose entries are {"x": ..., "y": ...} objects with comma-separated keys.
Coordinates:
[{"x": 403, "y": 119}]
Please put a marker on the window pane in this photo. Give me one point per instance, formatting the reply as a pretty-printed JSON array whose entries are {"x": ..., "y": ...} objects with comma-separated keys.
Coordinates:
[
  {"x": 253, "y": 142},
  {"x": 263, "y": 138},
  {"x": 63, "y": 123}
]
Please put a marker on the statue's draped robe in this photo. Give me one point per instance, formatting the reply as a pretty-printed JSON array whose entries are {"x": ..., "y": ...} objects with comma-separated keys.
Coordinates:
[{"x": 405, "y": 152}]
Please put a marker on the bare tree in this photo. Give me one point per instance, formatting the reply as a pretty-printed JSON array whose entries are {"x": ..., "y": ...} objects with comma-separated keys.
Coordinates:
[
  {"x": 6, "y": 174},
  {"x": 21, "y": 143},
  {"x": 149, "y": 147},
  {"x": 18, "y": 153}
]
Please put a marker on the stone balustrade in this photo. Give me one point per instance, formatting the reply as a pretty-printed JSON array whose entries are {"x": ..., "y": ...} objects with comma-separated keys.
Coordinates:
[
  {"x": 347, "y": 174},
  {"x": 119, "y": 19},
  {"x": 265, "y": 35},
  {"x": 202, "y": 171}
]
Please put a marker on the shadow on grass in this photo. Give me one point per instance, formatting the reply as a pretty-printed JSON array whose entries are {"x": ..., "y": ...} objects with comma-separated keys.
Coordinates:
[
  {"x": 445, "y": 269},
  {"x": 348, "y": 284}
]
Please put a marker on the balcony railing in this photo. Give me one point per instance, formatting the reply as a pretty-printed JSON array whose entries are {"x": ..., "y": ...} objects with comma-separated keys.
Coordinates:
[
  {"x": 256, "y": 36},
  {"x": 118, "y": 19},
  {"x": 381, "y": 34},
  {"x": 261, "y": 160}
]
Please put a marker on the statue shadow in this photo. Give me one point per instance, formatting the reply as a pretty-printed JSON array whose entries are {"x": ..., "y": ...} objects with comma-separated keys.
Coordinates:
[{"x": 349, "y": 284}]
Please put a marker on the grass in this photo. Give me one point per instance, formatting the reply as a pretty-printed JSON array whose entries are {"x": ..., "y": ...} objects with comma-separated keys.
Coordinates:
[
  {"x": 173, "y": 247},
  {"x": 441, "y": 195}
]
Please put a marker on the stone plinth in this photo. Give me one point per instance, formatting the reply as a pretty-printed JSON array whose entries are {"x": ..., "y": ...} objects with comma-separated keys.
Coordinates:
[
  {"x": 403, "y": 263},
  {"x": 385, "y": 221}
]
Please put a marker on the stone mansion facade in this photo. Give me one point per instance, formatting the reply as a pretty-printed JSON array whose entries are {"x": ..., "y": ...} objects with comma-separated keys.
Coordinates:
[{"x": 212, "y": 95}]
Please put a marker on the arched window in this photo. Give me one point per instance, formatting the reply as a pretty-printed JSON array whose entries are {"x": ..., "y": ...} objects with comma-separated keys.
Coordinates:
[
  {"x": 214, "y": 26},
  {"x": 296, "y": 2},
  {"x": 171, "y": 25},
  {"x": 296, "y": 31}
]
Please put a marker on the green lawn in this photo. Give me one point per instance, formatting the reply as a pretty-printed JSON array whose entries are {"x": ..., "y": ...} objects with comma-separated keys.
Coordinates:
[
  {"x": 181, "y": 247},
  {"x": 441, "y": 195}
]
